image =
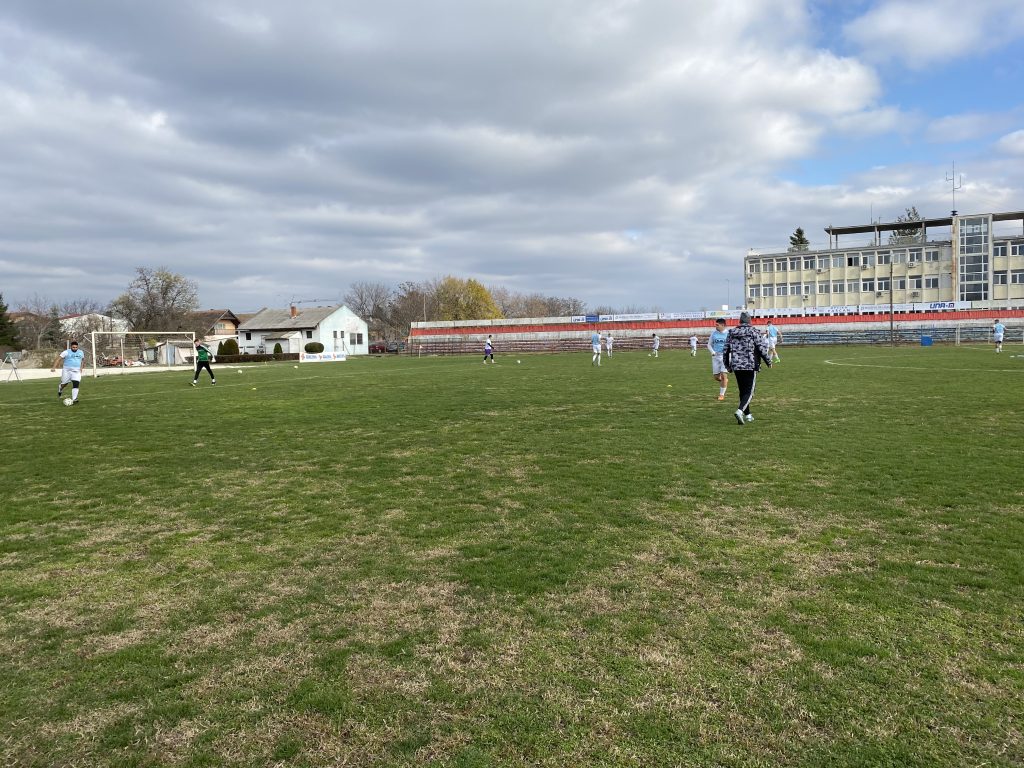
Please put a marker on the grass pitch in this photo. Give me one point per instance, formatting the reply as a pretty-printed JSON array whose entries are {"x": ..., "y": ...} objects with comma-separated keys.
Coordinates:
[{"x": 404, "y": 562}]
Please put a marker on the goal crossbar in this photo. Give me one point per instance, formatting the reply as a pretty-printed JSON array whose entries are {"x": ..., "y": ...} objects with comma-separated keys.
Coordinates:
[{"x": 128, "y": 349}]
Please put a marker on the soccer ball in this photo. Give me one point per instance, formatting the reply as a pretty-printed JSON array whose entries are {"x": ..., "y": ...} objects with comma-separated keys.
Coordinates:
[
  {"x": 68, "y": 401},
  {"x": 518, "y": 362},
  {"x": 239, "y": 370}
]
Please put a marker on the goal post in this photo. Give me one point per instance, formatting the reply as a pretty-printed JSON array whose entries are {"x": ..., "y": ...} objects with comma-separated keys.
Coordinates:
[{"x": 128, "y": 349}]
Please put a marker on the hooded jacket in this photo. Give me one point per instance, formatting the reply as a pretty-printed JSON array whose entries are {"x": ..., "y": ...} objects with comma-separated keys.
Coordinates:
[{"x": 745, "y": 348}]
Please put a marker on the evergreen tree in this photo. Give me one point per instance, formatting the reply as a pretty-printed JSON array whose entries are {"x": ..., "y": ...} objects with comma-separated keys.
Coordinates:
[
  {"x": 8, "y": 331},
  {"x": 909, "y": 234},
  {"x": 798, "y": 241}
]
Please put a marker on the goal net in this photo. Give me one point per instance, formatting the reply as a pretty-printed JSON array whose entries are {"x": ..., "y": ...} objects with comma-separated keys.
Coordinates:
[{"x": 112, "y": 350}]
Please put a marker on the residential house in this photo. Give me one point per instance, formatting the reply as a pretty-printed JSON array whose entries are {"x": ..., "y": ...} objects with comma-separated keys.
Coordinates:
[
  {"x": 216, "y": 325},
  {"x": 337, "y": 327}
]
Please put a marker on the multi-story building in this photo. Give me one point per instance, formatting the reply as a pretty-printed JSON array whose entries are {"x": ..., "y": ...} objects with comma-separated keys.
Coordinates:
[{"x": 980, "y": 265}]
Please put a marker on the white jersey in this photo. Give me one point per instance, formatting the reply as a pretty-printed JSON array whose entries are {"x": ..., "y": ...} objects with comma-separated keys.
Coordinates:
[
  {"x": 693, "y": 342},
  {"x": 657, "y": 342}
]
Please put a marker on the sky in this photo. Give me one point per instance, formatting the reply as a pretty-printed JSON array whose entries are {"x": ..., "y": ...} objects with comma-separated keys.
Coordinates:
[{"x": 624, "y": 152}]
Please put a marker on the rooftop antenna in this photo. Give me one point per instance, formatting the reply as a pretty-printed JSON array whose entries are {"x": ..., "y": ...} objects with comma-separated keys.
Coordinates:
[{"x": 956, "y": 184}]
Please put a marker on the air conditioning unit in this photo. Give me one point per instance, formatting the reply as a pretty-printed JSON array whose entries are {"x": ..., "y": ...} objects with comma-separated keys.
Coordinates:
[
  {"x": 864, "y": 266},
  {"x": 820, "y": 271},
  {"x": 914, "y": 294},
  {"x": 878, "y": 293}
]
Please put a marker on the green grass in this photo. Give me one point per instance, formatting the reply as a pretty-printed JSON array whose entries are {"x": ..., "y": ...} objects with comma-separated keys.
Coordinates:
[{"x": 432, "y": 562}]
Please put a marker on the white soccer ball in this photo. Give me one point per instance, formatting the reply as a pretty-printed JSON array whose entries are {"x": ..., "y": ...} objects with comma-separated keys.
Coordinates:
[
  {"x": 239, "y": 370},
  {"x": 518, "y": 362},
  {"x": 68, "y": 401}
]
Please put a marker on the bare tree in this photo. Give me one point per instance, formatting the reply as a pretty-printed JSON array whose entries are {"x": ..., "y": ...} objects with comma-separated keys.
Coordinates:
[
  {"x": 372, "y": 302},
  {"x": 157, "y": 300},
  {"x": 39, "y": 323}
]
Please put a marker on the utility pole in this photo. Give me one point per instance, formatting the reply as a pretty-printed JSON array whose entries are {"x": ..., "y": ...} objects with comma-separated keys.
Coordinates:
[{"x": 892, "y": 326}]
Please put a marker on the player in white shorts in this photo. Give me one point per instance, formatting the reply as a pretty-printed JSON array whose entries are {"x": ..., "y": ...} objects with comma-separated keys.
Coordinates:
[
  {"x": 716, "y": 346},
  {"x": 71, "y": 372},
  {"x": 595, "y": 346},
  {"x": 998, "y": 329},
  {"x": 774, "y": 337},
  {"x": 693, "y": 346},
  {"x": 609, "y": 342},
  {"x": 654, "y": 345}
]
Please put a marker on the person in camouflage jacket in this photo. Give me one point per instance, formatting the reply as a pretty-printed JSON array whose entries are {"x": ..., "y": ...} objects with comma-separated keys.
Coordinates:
[{"x": 745, "y": 348}]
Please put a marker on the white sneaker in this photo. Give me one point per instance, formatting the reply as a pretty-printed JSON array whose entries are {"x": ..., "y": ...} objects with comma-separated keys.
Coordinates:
[
  {"x": 750, "y": 418},
  {"x": 739, "y": 417}
]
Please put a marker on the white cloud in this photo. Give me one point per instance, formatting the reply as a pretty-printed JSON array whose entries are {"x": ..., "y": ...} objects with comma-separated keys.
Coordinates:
[
  {"x": 234, "y": 141},
  {"x": 926, "y": 32},
  {"x": 1012, "y": 143}
]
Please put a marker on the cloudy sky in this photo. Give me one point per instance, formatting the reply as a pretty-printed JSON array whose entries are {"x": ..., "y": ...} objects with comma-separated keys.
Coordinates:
[{"x": 625, "y": 152}]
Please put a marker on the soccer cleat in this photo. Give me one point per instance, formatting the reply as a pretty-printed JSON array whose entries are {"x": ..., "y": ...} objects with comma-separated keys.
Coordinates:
[
  {"x": 739, "y": 417},
  {"x": 750, "y": 418},
  {"x": 214, "y": 381},
  {"x": 74, "y": 402},
  {"x": 193, "y": 383},
  {"x": 721, "y": 397}
]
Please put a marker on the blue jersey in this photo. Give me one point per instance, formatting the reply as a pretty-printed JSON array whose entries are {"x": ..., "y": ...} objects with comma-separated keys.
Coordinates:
[
  {"x": 595, "y": 339},
  {"x": 998, "y": 329},
  {"x": 773, "y": 331},
  {"x": 717, "y": 341},
  {"x": 73, "y": 359}
]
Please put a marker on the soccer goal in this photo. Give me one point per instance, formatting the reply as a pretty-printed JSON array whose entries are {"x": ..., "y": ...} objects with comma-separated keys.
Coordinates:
[{"x": 128, "y": 349}]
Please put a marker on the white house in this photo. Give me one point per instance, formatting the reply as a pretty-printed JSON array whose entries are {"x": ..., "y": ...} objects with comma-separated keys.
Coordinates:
[
  {"x": 336, "y": 327},
  {"x": 82, "y": 325}
]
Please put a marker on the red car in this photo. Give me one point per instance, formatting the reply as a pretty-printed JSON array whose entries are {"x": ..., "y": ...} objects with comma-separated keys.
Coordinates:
[{"x": 378, "y": 347}]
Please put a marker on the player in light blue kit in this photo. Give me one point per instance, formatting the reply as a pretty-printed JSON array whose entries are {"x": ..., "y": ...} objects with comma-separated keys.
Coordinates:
[
  {"x": 71, "y": 372},
  {"x": 716, "y": 346},
  {"x": 774, "y": 337},
  {"x": 595, "y": 346},
  {"x": 998, "y": 329}
]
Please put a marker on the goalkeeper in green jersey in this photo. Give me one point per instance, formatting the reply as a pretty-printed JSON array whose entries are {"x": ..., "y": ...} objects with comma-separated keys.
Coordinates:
[{"x": 203, "y": 359}]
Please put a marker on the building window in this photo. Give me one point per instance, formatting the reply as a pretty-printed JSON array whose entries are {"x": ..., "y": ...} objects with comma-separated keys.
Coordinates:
[
  {"x": 794, "y": 264},
  {"x": 867, "y": 285},
  {"x": 309, "y": 334},
  {"x": 1017, "y": 249},
  {"x": 999, "y": 278},
  {"x": 838, "y": 287},
  {"x": 753, "y": 267},
  {"x": 808, "y": 289},
  {"x": 248, "y": 337},
  {"x": 931, "y": 282},
  {"x": 900, "y": 283},
  {"x": 931, "y": 255},
  {"x": 837, "y": 261},
  {"x": 767, "y": 266},
  {"x": 780, "y": 265},
  {"x": 915, "y": 283},
  {"x": 885, "y": 257},
  {"x": 822, "y": 287},
  {"x": 868, "y": 260},
  {"x": 882, "y": 284},
  {"x": 755, "y": 292},
  {"x": 780, "y": 289},
  {"x": 355, "y": 339},
  {"x": 853, "y": 259},
  {"x": 823, "y": 262},
  {"x": 794, "y": 289},
  {"x": 808, "y": 262},
  {"x": 913, "y": 255},
  {"x": 853, "y": 286},
  {"x": 1017, "y": 277},
  {"x": 899, "y": 257}
]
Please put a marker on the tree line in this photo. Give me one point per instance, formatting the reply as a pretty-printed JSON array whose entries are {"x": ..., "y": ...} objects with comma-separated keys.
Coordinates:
[{"x": 160, "y": 300}]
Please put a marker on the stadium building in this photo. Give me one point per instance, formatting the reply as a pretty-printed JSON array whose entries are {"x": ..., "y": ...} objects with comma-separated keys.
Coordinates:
[{"x": 966, "y": 262}]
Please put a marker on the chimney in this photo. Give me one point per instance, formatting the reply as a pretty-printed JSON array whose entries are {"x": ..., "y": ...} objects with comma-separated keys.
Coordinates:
[{"x": 295, "y": 312}]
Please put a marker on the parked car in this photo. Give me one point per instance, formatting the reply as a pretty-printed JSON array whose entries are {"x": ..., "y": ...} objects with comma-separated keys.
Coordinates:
[
  {"x": 378, "y": 347},
  {"x": 396, "y": 346}
]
